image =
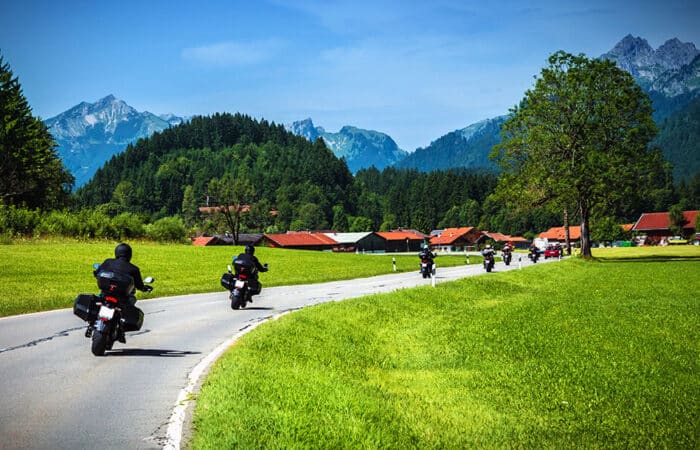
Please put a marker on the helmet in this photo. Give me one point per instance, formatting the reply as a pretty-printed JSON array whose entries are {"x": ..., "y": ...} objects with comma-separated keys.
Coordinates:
[
  {"x": 488, "y": 245},
  {"x": 123, "y": 251},
  {"x": 249, "y": 249}
]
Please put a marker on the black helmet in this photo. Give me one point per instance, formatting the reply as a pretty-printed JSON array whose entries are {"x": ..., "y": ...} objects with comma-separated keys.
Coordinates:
[
  {"x": 123, "y": 251},
  {"x": 249, "y": 249}
]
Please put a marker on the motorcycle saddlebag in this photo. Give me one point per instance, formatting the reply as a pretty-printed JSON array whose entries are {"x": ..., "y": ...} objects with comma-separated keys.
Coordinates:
[
  {"x": 227, "y": 281},
  {"x": 132, "y": 318},
  {"x": 86, "y": 307}
]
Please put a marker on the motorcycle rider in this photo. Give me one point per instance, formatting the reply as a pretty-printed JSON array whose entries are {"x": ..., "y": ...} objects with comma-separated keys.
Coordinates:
[
  {"x": 507, "y": 250},
  {"x": 427, "y": 255},
  {"x": 121, "y": 263},
  {"x": 248, "y": 260},
  {"x": 488, "y": 251},
  {"x": 534, "y": 252}
]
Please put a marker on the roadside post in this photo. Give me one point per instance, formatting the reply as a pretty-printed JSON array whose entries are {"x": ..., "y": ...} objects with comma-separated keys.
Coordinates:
[{"x": 393, "y": 260}]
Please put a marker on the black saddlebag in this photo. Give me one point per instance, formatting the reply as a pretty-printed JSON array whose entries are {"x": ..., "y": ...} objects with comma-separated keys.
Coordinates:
[
  {"x": 132, "y": 318},
  {"x": 227, "y": 281},
  {"x": 86, "y": 307}
]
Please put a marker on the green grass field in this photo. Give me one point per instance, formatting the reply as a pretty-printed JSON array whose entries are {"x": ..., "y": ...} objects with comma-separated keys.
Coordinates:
[
  {"x": 577, "y": 354},
  {"x": 39, "y": 275}
]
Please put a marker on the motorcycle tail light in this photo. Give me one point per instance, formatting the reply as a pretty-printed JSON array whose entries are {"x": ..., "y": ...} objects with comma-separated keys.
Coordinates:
[
  {"x": 111, "y": 299},
  {"x": 242, "y": 276}
]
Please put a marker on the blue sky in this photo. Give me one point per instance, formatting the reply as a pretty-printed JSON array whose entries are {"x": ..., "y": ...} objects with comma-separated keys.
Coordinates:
[{"x": 415, "y": 70}]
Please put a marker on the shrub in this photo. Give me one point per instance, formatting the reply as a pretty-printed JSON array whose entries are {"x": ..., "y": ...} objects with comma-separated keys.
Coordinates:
[
  {"x": 167, "y": 229},
  {"x": 128, "y": 225},
  {"x": 14, "y": 220}
]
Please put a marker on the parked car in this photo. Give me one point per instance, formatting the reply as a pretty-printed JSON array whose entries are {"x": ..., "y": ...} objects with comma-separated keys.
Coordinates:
[{"x": 552, "y": 251}]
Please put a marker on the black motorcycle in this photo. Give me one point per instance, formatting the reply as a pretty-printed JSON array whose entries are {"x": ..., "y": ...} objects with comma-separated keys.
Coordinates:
[
  {"x": 242, "y": 285},
  {"x": 507, "y": 257},
  {"x": 111, "y": 313},
  {"x": 489, "y": 261},
  {"x": 534, "y": 254},
  {"x": 427, "y": 267}
]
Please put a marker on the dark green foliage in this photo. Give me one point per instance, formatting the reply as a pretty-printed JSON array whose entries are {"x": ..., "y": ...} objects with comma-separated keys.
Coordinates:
[
  {"x": 285, "y": 170},
  {"x": 678, "y": 137},
  {"x": 31, "y": 172}
]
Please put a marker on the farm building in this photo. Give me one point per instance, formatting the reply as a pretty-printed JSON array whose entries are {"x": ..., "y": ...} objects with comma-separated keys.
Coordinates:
[
  {"x": 657, "y": 226},
  {"x": 402, "y": 240},
  {"x": 358, "y": 242},
  {"x": 456, "y": 239}
]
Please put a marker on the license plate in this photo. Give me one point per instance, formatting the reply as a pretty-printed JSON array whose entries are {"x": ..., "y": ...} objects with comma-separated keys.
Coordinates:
[
  {"x": 106, "y": 313},
  {"x": 240, "y": 284}
]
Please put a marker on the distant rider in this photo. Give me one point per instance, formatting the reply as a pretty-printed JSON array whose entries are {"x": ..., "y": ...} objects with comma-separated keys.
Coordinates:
[
  {"x": 488, "y": 251},
  {"x": 249, "y": 263}
]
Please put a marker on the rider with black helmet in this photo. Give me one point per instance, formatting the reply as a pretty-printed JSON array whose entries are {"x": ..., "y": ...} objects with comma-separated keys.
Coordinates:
[
  {"x": 249, "y": 261},
  {"x": 121, "y": 263}
]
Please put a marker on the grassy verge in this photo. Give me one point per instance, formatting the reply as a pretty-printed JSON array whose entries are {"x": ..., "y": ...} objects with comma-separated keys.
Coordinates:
[
  {"x": 598, "y": 354},
  {"x": 39, "y": 275}
]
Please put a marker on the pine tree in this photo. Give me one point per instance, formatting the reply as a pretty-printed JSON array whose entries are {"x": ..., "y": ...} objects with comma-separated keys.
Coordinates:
[{"x": 31, "y": 173}]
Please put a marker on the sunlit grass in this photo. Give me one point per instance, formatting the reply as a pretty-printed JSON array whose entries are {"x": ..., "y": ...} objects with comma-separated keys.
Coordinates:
[
  {"x": 579, "y": 354},
  {"x": 38, "y": 275}
]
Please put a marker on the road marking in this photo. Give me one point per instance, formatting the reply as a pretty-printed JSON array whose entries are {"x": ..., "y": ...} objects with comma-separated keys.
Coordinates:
[{"x": 173, "y": 436}]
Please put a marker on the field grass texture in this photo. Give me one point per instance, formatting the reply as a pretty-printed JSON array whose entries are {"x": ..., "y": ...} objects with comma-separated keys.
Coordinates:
[{"x": 578, "y": 354}]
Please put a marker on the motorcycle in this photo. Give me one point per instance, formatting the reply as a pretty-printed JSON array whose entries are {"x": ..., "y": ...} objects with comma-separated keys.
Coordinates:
[
  {"x": 242, "y": 285},
  {"x": 111, "y": 313},
  {"x": 427, "y": 268},
  {"x": 507, "y": 257},
  {"x": 534, "y": 254},
  {"x": 489, "y": 261}
]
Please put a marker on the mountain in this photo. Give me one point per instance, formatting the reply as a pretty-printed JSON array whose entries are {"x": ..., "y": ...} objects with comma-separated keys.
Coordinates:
[
  {"x": 669, "y": 74},
  {"x": 360, "y": 148},
  {"x": 468, "y": 147},
  {"x": 89, "y": 134}
]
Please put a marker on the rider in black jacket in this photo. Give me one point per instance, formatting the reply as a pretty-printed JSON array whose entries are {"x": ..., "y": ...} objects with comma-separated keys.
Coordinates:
[
  {"x": 251, "y": 262},
  {"x": 121, "y": 263}
]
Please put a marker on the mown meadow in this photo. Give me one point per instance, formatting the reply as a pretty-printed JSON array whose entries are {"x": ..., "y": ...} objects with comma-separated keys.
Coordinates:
[
  {"x": 577, "y": 354},
  {"x": 44, "y": 274}
]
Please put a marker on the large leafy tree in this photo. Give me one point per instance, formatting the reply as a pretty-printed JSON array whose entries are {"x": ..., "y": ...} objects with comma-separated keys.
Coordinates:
[
  {"x": 579, "y": 137},
  {"x": 31, "y": 173}
]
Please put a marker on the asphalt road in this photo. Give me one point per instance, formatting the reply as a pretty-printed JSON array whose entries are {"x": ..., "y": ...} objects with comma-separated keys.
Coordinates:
[{"x": 55, "y": 394}]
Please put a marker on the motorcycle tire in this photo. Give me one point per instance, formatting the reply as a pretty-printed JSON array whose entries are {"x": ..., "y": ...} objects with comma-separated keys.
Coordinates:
[{"x": 99, "y": 342}]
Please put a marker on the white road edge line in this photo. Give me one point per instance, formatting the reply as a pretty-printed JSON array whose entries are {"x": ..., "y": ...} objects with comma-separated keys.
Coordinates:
[{"x": 173, "y": 436}]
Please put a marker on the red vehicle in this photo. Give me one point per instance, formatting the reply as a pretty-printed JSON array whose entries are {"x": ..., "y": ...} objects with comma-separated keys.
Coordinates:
[{"x": 552, "y": 251}]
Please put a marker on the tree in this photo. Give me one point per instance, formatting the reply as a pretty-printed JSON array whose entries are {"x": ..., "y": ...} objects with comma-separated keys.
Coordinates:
[
  {"x": 31, "y": 173},
  {"x": 231, "y": 195},
  {"x": 340, "y": 219},
  {"x": 676, "y": 219},
  {"x": 580, "y": 136}
]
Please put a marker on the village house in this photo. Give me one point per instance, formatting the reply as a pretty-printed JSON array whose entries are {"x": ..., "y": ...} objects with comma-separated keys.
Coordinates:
[
  {"x": 655, "y": 228},
  {"x": 456, "y": 239},
  {"x": 402, "y": 240}
]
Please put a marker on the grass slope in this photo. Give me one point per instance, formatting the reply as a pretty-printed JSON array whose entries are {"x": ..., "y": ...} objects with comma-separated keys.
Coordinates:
[
  {"x": 39, "y": 275},
  {"x": 600, "y": 354}
]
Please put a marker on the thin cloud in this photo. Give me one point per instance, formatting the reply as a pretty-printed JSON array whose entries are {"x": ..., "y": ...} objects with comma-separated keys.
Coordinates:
[{"x": 232, "y": 53}]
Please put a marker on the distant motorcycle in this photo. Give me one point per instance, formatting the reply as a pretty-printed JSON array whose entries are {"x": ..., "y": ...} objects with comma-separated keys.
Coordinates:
[
  {"x": 507, "y": 257},
  {"x": 534, "y": 254},
  {"x": 111, "y": 313},
  {"x": 489, "y": 261},
  {"x": 241, "y": 284},
  {"x": 427, "y": 267}
]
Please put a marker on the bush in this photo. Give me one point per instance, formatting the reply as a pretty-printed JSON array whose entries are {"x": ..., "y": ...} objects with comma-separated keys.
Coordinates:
[
  {"x": 128, "y": 225},
  {"x": 167, "y": 229},
  {"x": 59, "y": 223},
  {"x": 15, "y": 220}
]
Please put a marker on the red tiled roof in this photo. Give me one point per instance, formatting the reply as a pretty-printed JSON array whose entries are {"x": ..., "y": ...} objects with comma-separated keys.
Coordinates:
[
  {"x": 303, "y": 239},
  {"x": 661, "y": 221},
  {"x": 557, "y": 233},
  {"x": 400, "y": 235},
  {"x": 202, "y": 241},
  {"x": 450, "y": 235}
]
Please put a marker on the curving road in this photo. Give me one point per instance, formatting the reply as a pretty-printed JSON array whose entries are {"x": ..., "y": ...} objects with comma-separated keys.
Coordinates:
[{"x": 55, "y": 394}]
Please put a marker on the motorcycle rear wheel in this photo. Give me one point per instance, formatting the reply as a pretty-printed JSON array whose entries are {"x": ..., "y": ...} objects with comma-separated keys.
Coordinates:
[{"x": 99, "y": 342}]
